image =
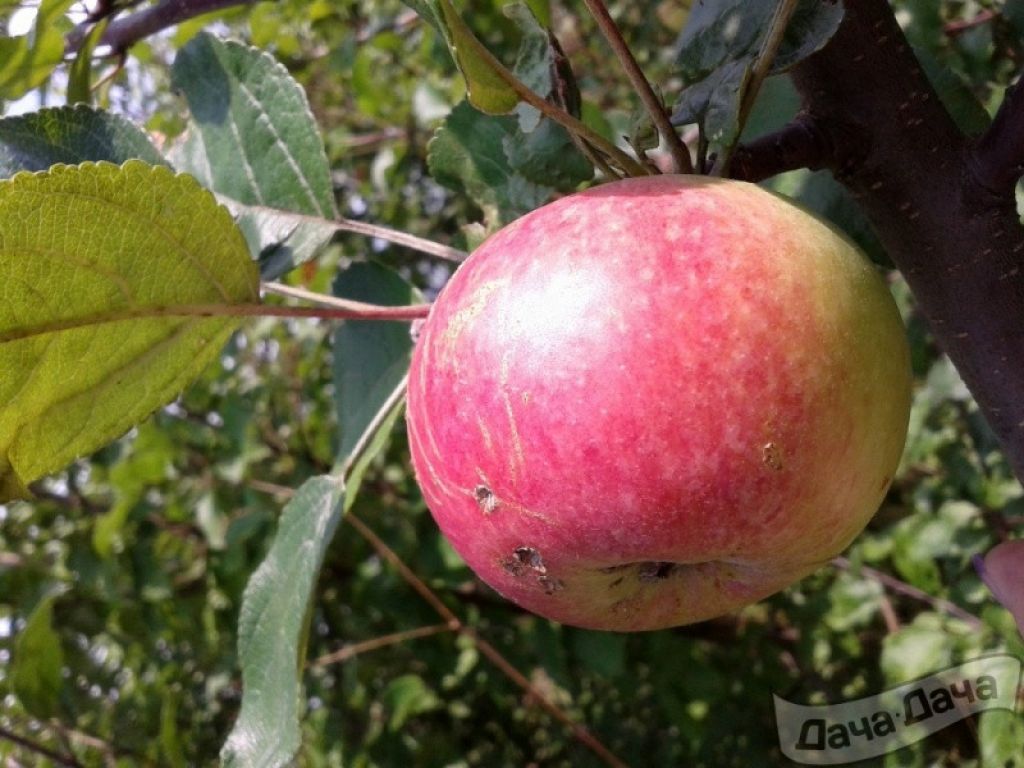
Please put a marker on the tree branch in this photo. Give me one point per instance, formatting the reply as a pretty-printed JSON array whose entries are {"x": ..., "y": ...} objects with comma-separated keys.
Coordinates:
[
  {"x": 999, "y": 153},
  {"x": 39, "y": 749},
  {"x": 797, "y": 145},
  {"x": 125, "y": 32},
  {"x": 652, "y": 103},
  {"x": 953, "y": 232}
]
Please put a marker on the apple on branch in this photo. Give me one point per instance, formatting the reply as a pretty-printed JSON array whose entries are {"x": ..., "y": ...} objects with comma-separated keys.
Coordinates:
[{"x": 656, "y": 401}]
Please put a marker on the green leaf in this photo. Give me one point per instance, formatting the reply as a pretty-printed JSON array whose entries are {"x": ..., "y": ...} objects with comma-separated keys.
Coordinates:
[
  {"x": 1000, "y": 736},
  {"x": 110, "y": 274},
  {"x": 541, "y": 150},
  {"x": 35, "y": 141},
  {"x": 26, "y": 62},
  {"x": 80, "y": 72},
  {"x": 467, "y": 153},
  {"x": 486, "y": 85},
  {"x": 271, "y": 628},
  {"x": 278, "y": 240},
  {"x": 719, "y": 45},
  {"x": 371, "y": 358},
  {"x": 408, "y": 696},
  {"x": 36, "y": 667},
  {"x": 916, "y": 650},
  {"x": 252, "y": 135}
]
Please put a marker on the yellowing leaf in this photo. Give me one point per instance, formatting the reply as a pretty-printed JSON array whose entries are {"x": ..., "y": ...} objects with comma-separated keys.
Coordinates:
[
  {"x": 115, "y": 288},
  {"x": 487, "y": 83}
]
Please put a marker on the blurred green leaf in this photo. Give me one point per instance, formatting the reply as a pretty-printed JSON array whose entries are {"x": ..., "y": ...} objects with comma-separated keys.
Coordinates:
[
  {"x": 37, "y": 140},
  {"x": 602, "y": 652},
  {"x": 95, "y": 346},
  {"x": 271, "y": 628},
  {"x": 408, "y": 696},
  {"x": 80, "y": 71},
  {"x": 38, "y": 659},
  {"x": 1000, "y": 736},
  {"x": 916, "y": 650},
  {"x": 26, "y": 62}
]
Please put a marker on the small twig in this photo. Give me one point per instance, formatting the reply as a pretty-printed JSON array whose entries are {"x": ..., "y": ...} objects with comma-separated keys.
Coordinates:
[
  {"x": 954, "y": 28},
  {"x": 420, "y": 244},
  {"x": 762, "y": 66},
  {"x": 998, "y": 157},
  {"x": 39, "y": 749},
  {"x": 333, "y": 302},
  {"x": 892, "y": 621},
  {"x": 653, "y": 105},
  {"x": 493, "y": 655},
  {"x": 907, "y": 590},
  {"x": 347, "y": 652},
  {"x": 122, "y": 58}
]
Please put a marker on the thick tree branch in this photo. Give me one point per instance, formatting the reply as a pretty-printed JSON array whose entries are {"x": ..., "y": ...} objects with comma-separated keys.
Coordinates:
[
  {"x": 999, "y": 154},
  {"x": 128, "y": 30},
  {"x": 947, "y": 222}
]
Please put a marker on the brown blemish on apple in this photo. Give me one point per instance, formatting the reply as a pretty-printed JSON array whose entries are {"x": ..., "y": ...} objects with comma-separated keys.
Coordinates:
[
  {"x": 485, "y": 498},
  {"x": 528, "y": 560},
  {"x": 655, "y": 571},
  {"x": 530, "y": 557},
  {"x": 551, "y": 585},
  {"x": 771, "y": 456}
]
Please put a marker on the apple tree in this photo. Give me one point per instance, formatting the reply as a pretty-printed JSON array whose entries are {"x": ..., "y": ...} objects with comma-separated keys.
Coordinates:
[{"x": 223, "y": 228}]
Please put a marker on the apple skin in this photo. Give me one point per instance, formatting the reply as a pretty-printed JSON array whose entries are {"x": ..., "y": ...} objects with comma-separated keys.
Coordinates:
[{"x": 657, "y": 401}]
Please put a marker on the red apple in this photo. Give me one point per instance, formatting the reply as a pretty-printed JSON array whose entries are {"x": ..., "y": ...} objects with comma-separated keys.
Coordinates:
[{"x": 656, "y": 401}]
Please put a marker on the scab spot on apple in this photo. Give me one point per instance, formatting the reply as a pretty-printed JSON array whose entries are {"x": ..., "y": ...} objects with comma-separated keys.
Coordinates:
[
  {"x": 771, "y": 456},
  {"x": 527, "y": 560},
  {"x": 551, "y": 585},
  {"x": 530, "y": 558},
  {"x": 485, "y": 498}
]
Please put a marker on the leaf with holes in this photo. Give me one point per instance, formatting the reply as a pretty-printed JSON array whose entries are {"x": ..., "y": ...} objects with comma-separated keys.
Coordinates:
[
  {"x": 37, "y": 140},
  {"x": 116, "y": 284},
  {"x": 272, "y": 624}
]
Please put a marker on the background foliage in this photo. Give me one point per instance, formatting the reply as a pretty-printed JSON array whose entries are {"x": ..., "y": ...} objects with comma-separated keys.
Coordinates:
[{"x": 120, "y": 586}]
